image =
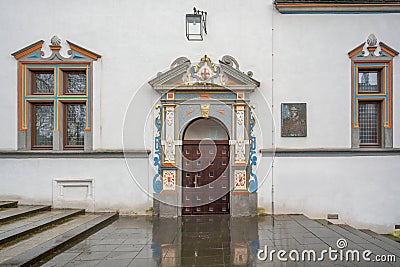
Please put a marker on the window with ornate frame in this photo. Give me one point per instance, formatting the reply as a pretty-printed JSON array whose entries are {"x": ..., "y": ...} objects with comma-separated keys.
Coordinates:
[
  {"x": 55, "y": 97},
  {"x": 372, "y": 76}
]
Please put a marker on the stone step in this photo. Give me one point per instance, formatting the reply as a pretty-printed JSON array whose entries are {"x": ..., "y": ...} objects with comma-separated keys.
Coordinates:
[
  {"x": 369, "y": 237},
  {"x": 386, "y": 245},
  {"x": 357, "y": 239},
  {"x": 8, "y": 204},
  {"x": 381, "y": 237},
  {"x": 32, "y": 224},
  {"x": 392, "y": 237},
  {"x": 19, "y": 222},
  {"x": 14, "y": 213},
  {"x": 340, "y": 229},
  {"x": 48, "y": 243}
]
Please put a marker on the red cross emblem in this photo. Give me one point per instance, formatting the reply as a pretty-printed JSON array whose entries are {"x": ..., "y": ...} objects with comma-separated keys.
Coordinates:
[{"x": 205, "y": 74}]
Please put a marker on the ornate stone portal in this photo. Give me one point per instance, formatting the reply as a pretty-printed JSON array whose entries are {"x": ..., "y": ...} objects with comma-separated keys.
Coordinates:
[{"x": 210, "y": 91}]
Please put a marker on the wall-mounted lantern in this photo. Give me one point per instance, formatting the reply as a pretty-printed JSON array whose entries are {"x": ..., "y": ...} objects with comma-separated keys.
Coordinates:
[{"x": 196, "y": 25}]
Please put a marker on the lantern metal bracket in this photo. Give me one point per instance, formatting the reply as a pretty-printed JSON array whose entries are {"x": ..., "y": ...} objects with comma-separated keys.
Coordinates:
[{"x": 196, "y": 24}]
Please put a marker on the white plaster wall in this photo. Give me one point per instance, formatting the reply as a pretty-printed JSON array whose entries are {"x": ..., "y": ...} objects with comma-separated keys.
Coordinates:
[
  {"x": 362, "y": 190},
  {"x": 31, "y": 181},
  {"x": 136, "y": 39},
  {"x": 311, "y": 65}
]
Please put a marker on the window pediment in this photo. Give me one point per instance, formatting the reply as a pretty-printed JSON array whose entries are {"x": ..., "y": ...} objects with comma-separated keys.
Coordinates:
[
  {"x": 34, "y": 52},
  {"x": 370, "y": 49}
]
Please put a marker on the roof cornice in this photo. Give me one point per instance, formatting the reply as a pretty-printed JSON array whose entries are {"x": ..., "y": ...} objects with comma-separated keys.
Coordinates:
[{"x": 341, "y": 7}]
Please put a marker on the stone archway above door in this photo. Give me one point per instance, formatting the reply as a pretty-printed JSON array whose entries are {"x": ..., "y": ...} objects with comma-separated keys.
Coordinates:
[
  {"x": 205, "y": 129},
  {"x": 190, "y": 91}
]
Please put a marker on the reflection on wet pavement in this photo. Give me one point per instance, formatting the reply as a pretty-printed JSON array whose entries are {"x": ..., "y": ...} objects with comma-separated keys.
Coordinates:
[{"x": 216, "y": 241}]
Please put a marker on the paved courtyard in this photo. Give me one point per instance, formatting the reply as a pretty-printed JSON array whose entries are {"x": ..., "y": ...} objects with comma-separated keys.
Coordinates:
[{"x": 227, "y": 241}]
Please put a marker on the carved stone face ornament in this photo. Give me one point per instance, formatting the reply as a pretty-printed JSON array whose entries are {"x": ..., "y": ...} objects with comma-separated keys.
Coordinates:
[
  {"x": 240, "y": 117},
  {"x": 239, "y": 150},
  {"x": 205, "y": 109},
  {"x": 169, "y": 116},
  {"x": 169, "y": 150}
]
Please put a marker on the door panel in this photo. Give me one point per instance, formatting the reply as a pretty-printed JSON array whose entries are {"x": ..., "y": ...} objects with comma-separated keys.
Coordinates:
[{"x": 205, "y": 178}]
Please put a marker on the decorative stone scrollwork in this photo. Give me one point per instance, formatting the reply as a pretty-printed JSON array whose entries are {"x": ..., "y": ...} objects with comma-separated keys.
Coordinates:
[
  {"x": 229, "y": 60},
  {"x": 253, "y": 180},
  {"x": 179, "y": 61},
  {"x": 157, "y": 183}
]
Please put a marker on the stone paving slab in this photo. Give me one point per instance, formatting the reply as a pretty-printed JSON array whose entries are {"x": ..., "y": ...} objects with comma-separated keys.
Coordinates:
[{"x": 217, "y": 241}]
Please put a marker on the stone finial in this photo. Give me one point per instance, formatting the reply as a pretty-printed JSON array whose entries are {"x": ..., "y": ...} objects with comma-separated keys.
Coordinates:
[
  {"x": 372, "y": 41},
  {"x": 55, "y": 40},
  {"x": 205, "y": 58}
]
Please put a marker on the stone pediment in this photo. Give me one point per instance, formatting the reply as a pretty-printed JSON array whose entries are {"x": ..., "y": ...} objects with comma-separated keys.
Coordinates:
[
  {"x": 34, "y": 52},
  {"x": 205, "y": 75},
  {"x": 369, "y": 49}
]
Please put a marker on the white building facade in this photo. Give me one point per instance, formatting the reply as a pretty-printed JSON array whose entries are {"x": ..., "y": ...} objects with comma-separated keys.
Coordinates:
[{"x": 299, "y": 100}]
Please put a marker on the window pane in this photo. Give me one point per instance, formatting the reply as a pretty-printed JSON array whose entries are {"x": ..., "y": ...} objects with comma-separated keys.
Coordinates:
[
  {"x": 44, "y": 118},
  {"x": 44, "y": 82},
  {"x": 368, "y": 82},
  {"x": 76, "y": 120},
  {"x": 369, "y": 123},
  {"x": 76, "y": 82}
]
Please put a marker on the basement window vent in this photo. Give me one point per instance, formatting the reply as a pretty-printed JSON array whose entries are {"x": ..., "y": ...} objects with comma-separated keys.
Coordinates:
[{"x": 333, "y": 216}]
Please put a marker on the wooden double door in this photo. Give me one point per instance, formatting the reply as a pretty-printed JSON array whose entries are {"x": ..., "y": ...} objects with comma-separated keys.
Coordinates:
[{"x": 205, "y": 177}]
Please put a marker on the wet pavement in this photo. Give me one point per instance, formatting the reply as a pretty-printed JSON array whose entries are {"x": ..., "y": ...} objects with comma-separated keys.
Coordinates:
[{"x": 227, "y": 241}]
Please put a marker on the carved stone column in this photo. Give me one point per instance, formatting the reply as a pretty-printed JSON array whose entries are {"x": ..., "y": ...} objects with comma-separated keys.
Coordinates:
[
  {"x": 240, "y": 148},
  {"x": 169, "y": 138}
]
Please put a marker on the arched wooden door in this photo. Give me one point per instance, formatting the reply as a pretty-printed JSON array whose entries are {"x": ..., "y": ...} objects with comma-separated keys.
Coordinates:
[{"x": 205, "y": 169}]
